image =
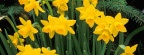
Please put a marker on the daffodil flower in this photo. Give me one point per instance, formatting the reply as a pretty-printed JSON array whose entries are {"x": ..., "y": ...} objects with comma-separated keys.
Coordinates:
[
  {"x": 28, "y": 50},
  {"x": 64, "y": 26},
  {"x": 48, "y": 52},
  {"x": 30, "y": 5},
  {"x": 88, "y": 13},
  {"x": 61, "y": 5},
  {"x": 103, "y": 29},
  {"x": 49, "y": 26},
  {"x": 130, "y": 50},
  {"x": 118, "y": 24},
  {"x": 33, "y": 5},
  {"x": 26, "y": 29},
  {"x": 94, "y": 2},
  {"x": 14, "y": 38},
  {"x": 22, "y": 2}
]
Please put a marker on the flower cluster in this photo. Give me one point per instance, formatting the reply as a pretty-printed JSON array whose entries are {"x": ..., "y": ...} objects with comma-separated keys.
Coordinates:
[
  {"x": 107, "y": 26},
  {"x": 30, "y": 5},
  {"x": 28, "y": 50},
  {"x": 61, "y": 5},
  {"x": 88, "y": 12},
  {"x": 130, "y": 50},
  {"x": 59, "y": 25},
  {"x": 14, "y": 38},
  {"x": 26, "y": 29}
]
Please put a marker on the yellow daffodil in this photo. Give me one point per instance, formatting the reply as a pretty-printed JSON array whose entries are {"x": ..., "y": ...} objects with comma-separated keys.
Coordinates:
[
  {"x": 23, "y": 2},
  {"x": 33, "y": 5},
  {"x": 88, "y": 12},
  {"x": 48, "y": 52},
  {"x": 15, "y": 38},
  {"x": 94, "y": 2},
  {"x": 49, "y": 26},
  {"x": 0, "y": 30},
  {"x": 28, "y": 50},
  {"x": 26, "y": 29},
  {"x": 130, "y": 50},
  {"x": 105, "y": 36},
  {"x": 118, "y": 24},
  {"x": 64, "y": 26},
  {"x": 61, "y": 5},
  {"x": 103, "y": 29},
  {"x": 30, "y": 5}
]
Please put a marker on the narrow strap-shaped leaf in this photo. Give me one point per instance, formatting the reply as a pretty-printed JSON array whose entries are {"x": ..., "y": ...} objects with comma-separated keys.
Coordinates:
[
  {"x": 6, "y": 45},
  {"x": 14, "y": 50}
]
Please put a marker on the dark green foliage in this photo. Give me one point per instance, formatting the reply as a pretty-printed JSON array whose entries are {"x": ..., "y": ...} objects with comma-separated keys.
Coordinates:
[
  {"x": 121, "y": 6},
  {"x": 14, "y": 9}
]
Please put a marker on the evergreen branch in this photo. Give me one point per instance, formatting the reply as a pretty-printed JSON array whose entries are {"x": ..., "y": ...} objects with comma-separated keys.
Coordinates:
[
  {"x": 14, "y": 9},
  {"x": 127, "y": 11}
]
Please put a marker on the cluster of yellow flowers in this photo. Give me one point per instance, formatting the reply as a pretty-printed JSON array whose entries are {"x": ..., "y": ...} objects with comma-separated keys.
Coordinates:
[
  {"x": 59, "y": 25},
  {"x": 130, "y": 50},
  {"x": 106, "y": 25},
  {"x": 61, "y": 5},
  {"x": 30, "y": 5},
  {"x": 28, "y": 50}
]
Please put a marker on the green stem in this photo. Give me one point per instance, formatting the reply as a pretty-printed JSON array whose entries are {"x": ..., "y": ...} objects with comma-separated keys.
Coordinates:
[
  {"x": 62, "y": 44},
  {"x": 2, "y": 50},
  {"x": 14, "y": 49},
  {"x": 69, "y": 44},
  {"x": 77, "y": 45},
  {"x": 49, "y": 7},
  {"x": 94, "y": 45},
  {"x": 42, "y": 34},
  {"x": 117, "y": 50},
  {"x": 103, "y": 50},
  {"x": 6, "y": 45},
  {"x": 121, "y": 38},
  {"x": 108, "y": 48},
  {"x": 136, "y": 31},
  {"x": 11, "y": 23},
  {"x": 98, "y": 47}
]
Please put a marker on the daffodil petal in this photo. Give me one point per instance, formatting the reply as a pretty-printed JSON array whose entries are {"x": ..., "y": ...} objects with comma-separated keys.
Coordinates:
[
  {"x": 21, "y": 48},
  {"x": 37, "y": 51},
  {"x": 26, "y": 35},
  {"x": 22, "y": 21},
  {"x": 31, "y": 35},
  {"x": 86, "y": 3},
  {"x": 99, "y": 38},
  {"x": 20, "y": 26},
  {"x": 34, "y": 30},
  {"x": 111, "y": 38},
  {"x": 115, "y": 32},
  {"x": 98, "y": 30},
  {"x": 36, "y": 11},
  {"x": 90, "y": 22},
  {"x": 118, "y": 16},
  {"x": 71, "y": 22},
  {"x": 51, "y": 34},
  {"x": 44, "y": 50},
  {"x": 44, "y": 22},
  {"x": 133, "y": 48},
  {"x": 29, "y": 23},
  {"x": 124, "y": 21},
  {"x": 121, "y": 28},
  {"x": 29, "y": 7},
  {"x": 38, "y": 7},
  {"x": 71, "y": 30}
]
